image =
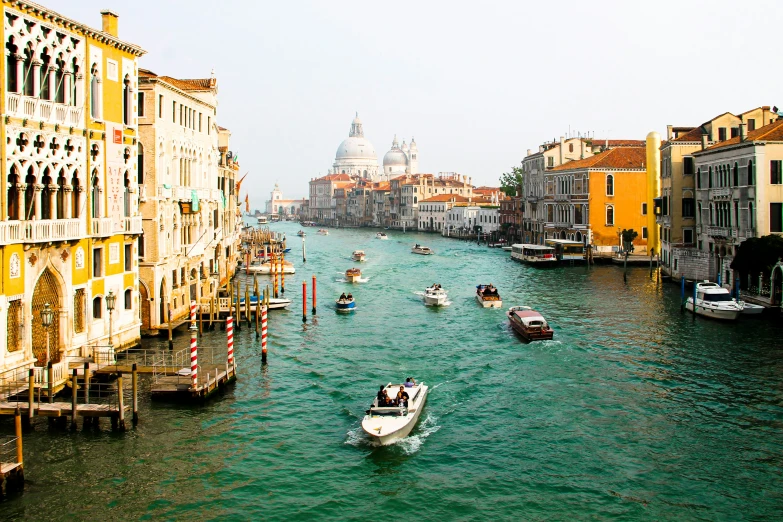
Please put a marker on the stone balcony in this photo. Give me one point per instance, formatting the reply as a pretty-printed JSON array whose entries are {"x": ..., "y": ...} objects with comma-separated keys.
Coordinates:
[
  {"x": 27, "y": 107},
  {"x": 562, "y": 197},
  {"x": 133, "y": 225},
  {"x": 722, "y": 192},
  {"x": 102, "y": 227},
  {"x": 41, "y": 231}
]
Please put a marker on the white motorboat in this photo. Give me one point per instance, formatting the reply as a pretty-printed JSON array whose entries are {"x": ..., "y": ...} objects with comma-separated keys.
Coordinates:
[
  {"x": 420, "y": 249},
  {"x": 358, "y": 255},
  {"x": 387, "y": 424},
  {"x": 381, "y": 235},
  {"x": 274, "y": 303},
  {"x": 323, "y": 232},
  {"x": 435, "y": 296},
  {"x": 265, "y": 267},
  {"x": 714, "y": 301}
]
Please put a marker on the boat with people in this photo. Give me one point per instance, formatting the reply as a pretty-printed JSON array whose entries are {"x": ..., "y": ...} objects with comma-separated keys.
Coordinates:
[
  {"x": 381, "y": 235},
  {"x": 262, "y": 220},
  {"x": 345, "y": 303},
  {"x": 530, "y": 324},
  {"x": 358, "y": 255},
  {"x": 714, "y": 301},
  {"x": 394, "y": 411},
  {"x": 265, "y": 267},
  {"x": 323, "y": 232},
  {"x": 488, "y": 296},
  {"x": 538, "y": 255},
  {"x": 435, "y": 295},
  {"x": 421, "y": 249},
  {"x": 301, "y": 233},
  {"x": 352, "y": 275}
]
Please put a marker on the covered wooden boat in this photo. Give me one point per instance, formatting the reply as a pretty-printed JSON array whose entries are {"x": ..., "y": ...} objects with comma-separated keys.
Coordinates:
[
  {"x": 353, "y": 275},
  {"x": 528, "y": 323},
  {"x": 488, "y": 296},
  {"x": 358, "y": 255}
]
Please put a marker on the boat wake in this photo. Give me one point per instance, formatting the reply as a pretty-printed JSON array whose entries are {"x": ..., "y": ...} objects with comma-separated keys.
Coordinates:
[{"x": 411, "y": 444}]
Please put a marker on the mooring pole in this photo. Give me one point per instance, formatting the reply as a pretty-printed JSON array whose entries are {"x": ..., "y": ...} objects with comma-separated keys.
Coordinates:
[
  {"x": 282, "y": 273},
  {"x": 18, "y": 432},
  {"x": 230, "y": 344},
  {"x": 121, "y": 402},
  {"x": 258, "y": 310},
  {"x": 135, "y": 392},
  {"x": 31, "y": 397},
  {"x": 193, "y": 347},
  {"x": 304, "y": 255},
  {"x": 247, "y": 306},
  {"x": 171, "y": 334},
  {"x": 313, "y": 294},
  {"x": 304, "y": 301},
  {"x": 74, "y": 396},
  {"x": 50, "y": 378},
  {"x": 682, "y": 292},
  {"x": 263, "y": 335}
]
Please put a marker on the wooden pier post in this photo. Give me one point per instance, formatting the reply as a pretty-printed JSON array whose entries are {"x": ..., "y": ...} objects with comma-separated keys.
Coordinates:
[
  {"x": 18, "y": 432},
  {"x": 74, "y": 396},
  {"x": 31, "y": 396},
  {"x": 135, "y": 391},
  {"x": 304, "y": 301},
  {"x": 247, "y": 306},
  {"x": 258, "y": 310},
  {"x": 304, "y": 255},
  {"x": 200, "y": 319},
  {"x": 313, "y": 294},
  {"x": 171, "y": 333},
  {"x": 682, "y": 293},
  {"x": 211, "y": 313},
  {"x": 282, "y": 273},
  {"x": 50, "y": 378},
  {"x": 121, "y": 403},
  {"x": 263, "y": 335},
  {"x": 86, "y": 379},
  {"x": 694, "y": 299}
]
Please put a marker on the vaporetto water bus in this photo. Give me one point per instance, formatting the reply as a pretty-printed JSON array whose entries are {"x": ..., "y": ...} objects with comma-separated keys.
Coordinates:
[
  {"x": 538, "y": 255},
  {"x": 565, "y": 250}
]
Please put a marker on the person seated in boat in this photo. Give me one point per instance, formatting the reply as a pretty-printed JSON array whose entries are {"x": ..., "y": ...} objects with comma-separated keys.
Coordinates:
[
  {"x": 402, "y": 397},
  {"x": 342, "y": 296},
  {"x": 350, "y": 296},
  {"x": 410, "y": 382},
  {"x": 416, "y": 245},
  {"x": 383, "y": 397}
]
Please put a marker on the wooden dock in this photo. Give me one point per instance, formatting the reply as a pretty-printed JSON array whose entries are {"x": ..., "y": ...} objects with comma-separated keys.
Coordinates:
[{"x": 211, "y": 378}]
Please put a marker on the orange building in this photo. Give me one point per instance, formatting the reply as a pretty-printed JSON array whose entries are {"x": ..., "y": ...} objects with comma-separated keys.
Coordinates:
[{"x": 593, "y": 199}]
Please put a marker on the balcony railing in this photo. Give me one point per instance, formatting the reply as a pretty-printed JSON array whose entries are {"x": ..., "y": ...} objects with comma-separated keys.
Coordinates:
[
  {"x": 10, "y": 232},
  {"x": 562, "y": 197},
  {"x": 19, "y": 106},
  {"x": 53, "y": 230},
  {"x": 721, "y": 232},
  {"x": 722, "y": 192},
  {"x": 101, "y": 227},
  {"x": 133, "y": 225}
]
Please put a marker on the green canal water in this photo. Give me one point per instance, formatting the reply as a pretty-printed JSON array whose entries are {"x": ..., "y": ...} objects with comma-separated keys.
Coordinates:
[{"x": 634, "y": 411}]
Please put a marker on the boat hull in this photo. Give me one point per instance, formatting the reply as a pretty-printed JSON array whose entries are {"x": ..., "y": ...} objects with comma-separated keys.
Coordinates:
[
  {"x": 488, "y": 303},
  {"x": 264, "y": 269},
  {"x": 435, "y": 300},
  {"x": 713, "y": 313},
  {"x": 346, "y": 307},
  {"x": 752, "y": 309},
  {"x": 404, "y": 431},
  {"x": 352, "y": 278},
  {"x": 531, "y": 334}
]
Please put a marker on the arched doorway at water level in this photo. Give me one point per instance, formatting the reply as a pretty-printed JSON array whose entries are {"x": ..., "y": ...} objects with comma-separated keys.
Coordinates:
[{"x": 48, "y": 290}]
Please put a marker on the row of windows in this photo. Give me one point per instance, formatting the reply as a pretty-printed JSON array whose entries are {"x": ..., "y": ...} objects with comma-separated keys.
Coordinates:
[
  {"x": 97, "y": 308},
  {"x": 189, "y": 118},
  {"x": 98, "y": 265}
]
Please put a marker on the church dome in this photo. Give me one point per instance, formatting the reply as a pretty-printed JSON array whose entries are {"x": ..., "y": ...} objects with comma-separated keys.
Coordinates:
[
  {"x": 394, "y": 158},
  {"x": 356, "y": 147}
]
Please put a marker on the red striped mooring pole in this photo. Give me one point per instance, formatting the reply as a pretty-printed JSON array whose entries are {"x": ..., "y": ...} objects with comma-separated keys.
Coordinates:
[
  {"x": 193, "y": 346},
  {"x": 313, "y": 294},
  {"x": 230, "y": 341},
  {"x": 263, "y": 335},
  {"x": 304, "y": 301}
]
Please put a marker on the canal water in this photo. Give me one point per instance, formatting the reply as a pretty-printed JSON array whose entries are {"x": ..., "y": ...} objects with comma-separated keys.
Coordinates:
[{"x": 633, "y": 411}]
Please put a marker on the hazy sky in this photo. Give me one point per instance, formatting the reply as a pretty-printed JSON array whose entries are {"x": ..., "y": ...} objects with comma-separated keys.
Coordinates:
[{"x": 476, "y": 83}]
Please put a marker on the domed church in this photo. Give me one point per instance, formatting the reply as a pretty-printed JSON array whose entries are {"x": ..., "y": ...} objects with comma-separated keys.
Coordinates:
[{"x": 356, "y": 156}]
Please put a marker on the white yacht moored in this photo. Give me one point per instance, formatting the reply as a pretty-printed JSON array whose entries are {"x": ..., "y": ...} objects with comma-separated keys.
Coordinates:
[
  {"x": 420, "y": 249},
  {"x": 435, "y": 296},
  {"x": 386, "y": 424},
  {"x": 714, "y": 301}
]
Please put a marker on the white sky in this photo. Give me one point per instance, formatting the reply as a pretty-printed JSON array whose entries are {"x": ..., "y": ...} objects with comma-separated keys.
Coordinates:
[{"x": 476, "y": 83}]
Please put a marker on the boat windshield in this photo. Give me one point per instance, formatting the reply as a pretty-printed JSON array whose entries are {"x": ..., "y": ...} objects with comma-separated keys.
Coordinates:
[{"x": 717, "y": 297}]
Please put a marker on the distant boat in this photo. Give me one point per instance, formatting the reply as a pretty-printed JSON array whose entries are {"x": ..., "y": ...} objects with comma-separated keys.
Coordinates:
[
  {"x": 435, "y": 296},
  {"x": 323, "y": 232},
  {"x": 422, "y": 250},
  {"x": 358, "y": 255},
  {"x": 488, "y": 296},
  {"x": 262, "y": 220},
  {"x": 301, "y": 233},
  {"x": 381, "y": 235},
  {"x": 528, "y": 323}
]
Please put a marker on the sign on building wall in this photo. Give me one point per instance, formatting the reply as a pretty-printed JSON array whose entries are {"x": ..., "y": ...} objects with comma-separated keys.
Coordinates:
[{"x": 115, "y": 174}]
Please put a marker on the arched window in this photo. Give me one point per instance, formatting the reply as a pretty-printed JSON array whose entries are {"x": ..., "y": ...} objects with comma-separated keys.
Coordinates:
[
  {"x": 61, "y": 183},
  {"x": 709, "y": 179},
  {"x": 609, "y": 185},
  {"x": 27, "y": 71},
  {"x": 751, "y": 216},
  {"x": 126, "y": 101},
  {"x": 96, "y": 196},
  {"x": 97, "y": 307},
  {"x": 59, "y": 84},
  {"x": 736, "y": 174},
  {"x": 698, "y": 178},
  {"x": 126, "y": 199},
  {"x": 29, "y": 194},
  {"x": 76, "y": 210},
  {"x": 43, "y": 75},
  {"x": 140, "y": 165},
  {"x": 751, "y": 173},
  {"x": 570, "y": 147},
  {"x": 95, "y": 93},
  {"x": 12, "y": 202},
  {"x": 609, "y": 215},
  {"x": 12, "y": 81},
  {"x": 128, "y": 299},
  {"x": 75, "y": 86}
]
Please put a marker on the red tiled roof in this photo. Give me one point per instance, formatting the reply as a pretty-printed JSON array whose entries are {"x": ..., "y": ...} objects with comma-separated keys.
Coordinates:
[
  {"x": 145, "y": 73},
  {"x": 445, "y": 197},
  {"x": 617, "y": 143},
  {"x": 771, "y": 132},
  {"x": 617, "y": 158},
  {"x": 693, "y": 135},
  {"x": 201, "y": 84}
]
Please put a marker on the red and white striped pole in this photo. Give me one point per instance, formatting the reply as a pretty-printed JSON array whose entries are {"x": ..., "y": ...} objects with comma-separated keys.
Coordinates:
[
  {"x": 230, "y": 338},
  {"x": 263, "y": 335},
  {"x": 193, "y": 346}
]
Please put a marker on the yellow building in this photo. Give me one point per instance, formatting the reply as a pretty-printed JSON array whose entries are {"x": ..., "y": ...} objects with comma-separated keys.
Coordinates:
[
  {"x": 69, "y": 213},
  {"x": 593, "y": 199}
]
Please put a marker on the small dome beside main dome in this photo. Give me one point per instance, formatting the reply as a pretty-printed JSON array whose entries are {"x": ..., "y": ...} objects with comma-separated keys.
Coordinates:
[{"x": 394, "y": 158}]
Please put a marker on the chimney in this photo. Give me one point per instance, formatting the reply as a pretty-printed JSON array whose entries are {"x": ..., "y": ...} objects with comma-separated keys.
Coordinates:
[
  {"x": 109, "y": 19},
  {"x": 584, "y": 149},
  {"x": 704, "y": 141},
  {"x": 669, "y": 132},
  {"x": 562, "y": 150},
  {"x": 528, "y": 152},
  {"x": 743, "y": 131}
]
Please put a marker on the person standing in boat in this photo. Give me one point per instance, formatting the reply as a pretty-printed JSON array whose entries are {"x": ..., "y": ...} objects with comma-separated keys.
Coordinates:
[
  {"x": 383, "y": 397},
  {"x": 410, "y": 382},
  {"x": 402, "y": 397}
]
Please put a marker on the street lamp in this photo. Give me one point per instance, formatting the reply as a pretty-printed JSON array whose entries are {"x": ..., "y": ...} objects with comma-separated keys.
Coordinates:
[
  {"x": 110, "y": 300},
  {"x": 47, "y": 317}
]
